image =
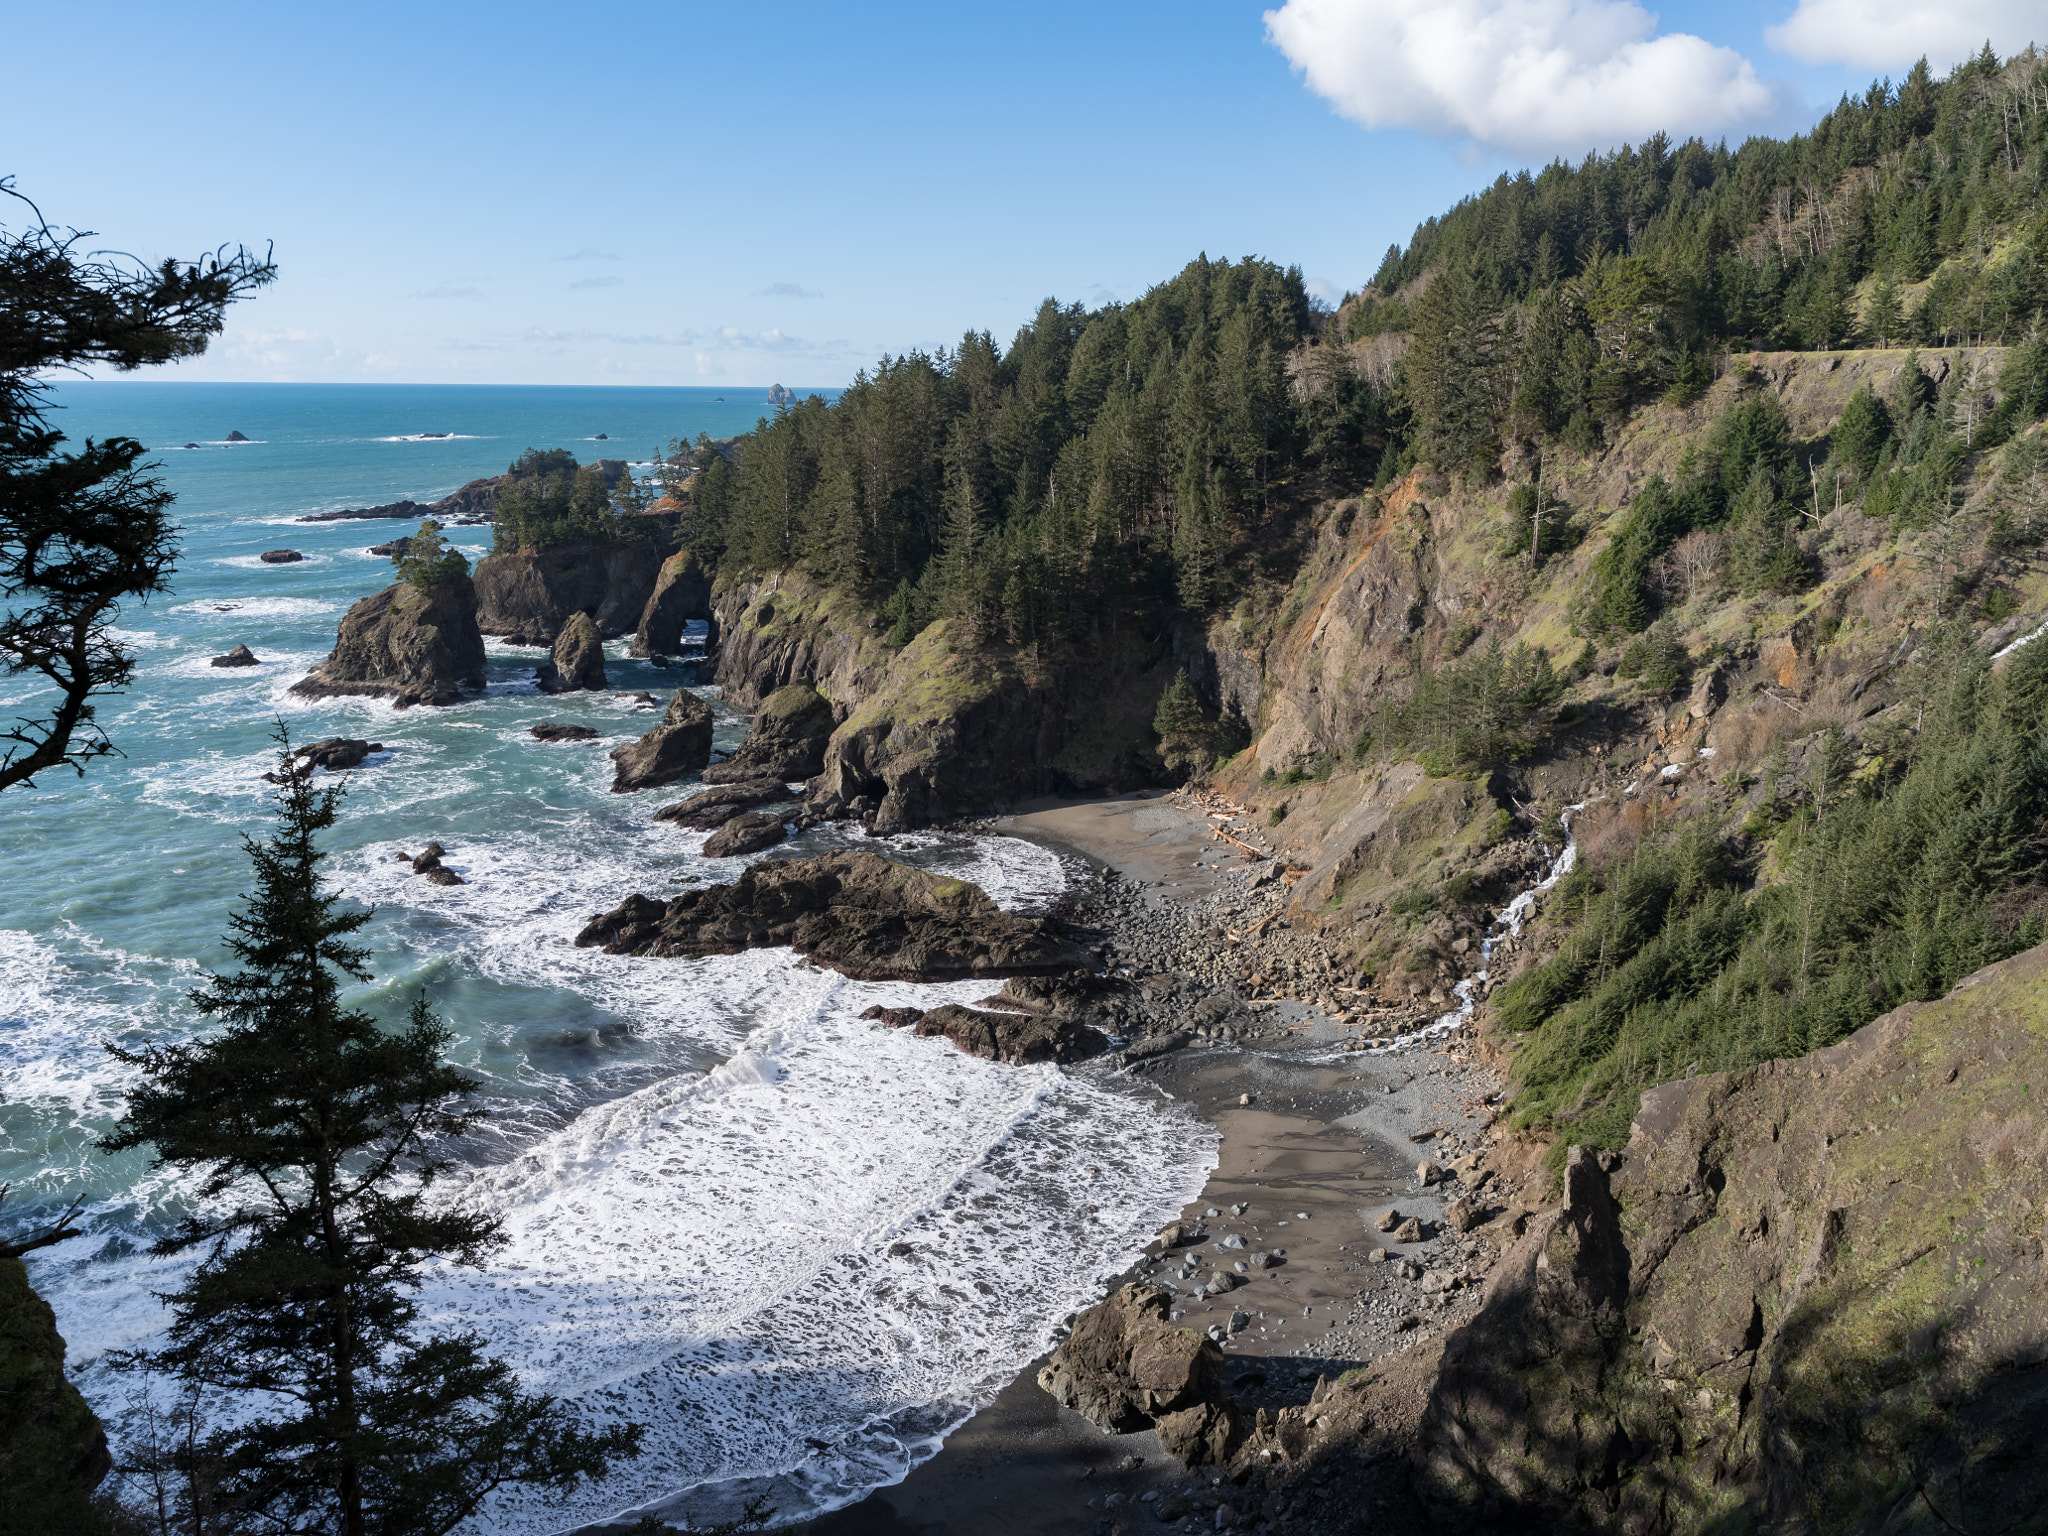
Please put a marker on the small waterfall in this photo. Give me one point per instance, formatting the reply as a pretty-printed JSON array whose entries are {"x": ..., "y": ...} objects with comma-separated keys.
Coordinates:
[{"x": 1505, "y": 926}]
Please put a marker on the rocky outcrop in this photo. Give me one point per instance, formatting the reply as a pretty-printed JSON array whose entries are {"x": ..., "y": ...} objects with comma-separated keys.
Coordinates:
[
  {"x": 529, "y": 595},
  {"x": 578, "y": 659},
  {"x": 415, "y": 647},
  {"x": 240, "y": 656},
  {"x": 280, "y": 557},
  {"x": 748, "y": 833},
  {"x": 1812, "y": 1290},
  {"x": 56, "y": 1451},
  {"x": 786, "y": 740},
  {"x": 851, "y": 910},
  {"x": 682, "y": 591},
  {"x": 679, "y": 746},
  {"x": 1126, "y": 1367},
  {"x": 476, "y": 502},
  {"x": 715, "y": 807},
  {"x": 1019, "y": 1039}
]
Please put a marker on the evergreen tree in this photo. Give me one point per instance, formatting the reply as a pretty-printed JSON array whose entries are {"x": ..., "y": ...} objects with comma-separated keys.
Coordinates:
[
  {"x": 427, "y": 561},
  {"x": 316, "y": 1136}
]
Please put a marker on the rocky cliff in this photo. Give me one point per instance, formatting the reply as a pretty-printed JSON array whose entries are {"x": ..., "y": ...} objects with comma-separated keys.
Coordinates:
[
  {"x": 577, "y": 660},
  {"x": 415, "y": 647},
  {"x": 1810, "y": 1296},
  {"x": 786, "y": 740},
  {"x": 527, "y": 595}
]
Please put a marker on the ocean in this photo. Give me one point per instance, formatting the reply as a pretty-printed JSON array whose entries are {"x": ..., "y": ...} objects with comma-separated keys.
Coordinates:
[{"x": 797, "y": 1246}]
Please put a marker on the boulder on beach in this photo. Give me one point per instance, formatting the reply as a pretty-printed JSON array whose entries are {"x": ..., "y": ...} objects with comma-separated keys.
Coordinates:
[
  {"x": 240, "y": 656},
  {"x": 679, "y": 746},
  {"x": 417, "y": 647},
  {"x": 786, "y": 741},
  {"x": 850, "y": 910},
  {"x": 280, "y": 556},
  {"x": 552, "y": 730},
  {"x": 748, "y": 833},
  {"x": 578, "y": 659},
  {"x": 1127, "y": 1367},
  {"x": 715, "y": 807}
]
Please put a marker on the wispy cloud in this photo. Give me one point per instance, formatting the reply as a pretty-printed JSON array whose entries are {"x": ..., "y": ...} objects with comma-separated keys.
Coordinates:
[
  {"x": 445, "y": 291},
  {"x": 729, "y": 338},
  {"x": 607, "y": 281},
  {"x": 790, "y": 291},
  {"x": 457, "y": 344},
  {"x": 591, "y": 253}
]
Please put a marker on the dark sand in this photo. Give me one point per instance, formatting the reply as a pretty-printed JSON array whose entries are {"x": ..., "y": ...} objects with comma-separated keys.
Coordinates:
[{"x": 1321, "y": 1150}]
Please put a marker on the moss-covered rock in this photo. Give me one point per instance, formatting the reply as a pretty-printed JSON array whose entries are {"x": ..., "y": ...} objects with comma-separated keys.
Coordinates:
[{"x": 1829, "y": 1309}]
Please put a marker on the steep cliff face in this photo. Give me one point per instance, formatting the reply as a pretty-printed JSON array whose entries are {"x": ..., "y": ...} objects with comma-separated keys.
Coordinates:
[
  {"x": 56, "y": 1451},
  {"x": 1812, "y": 1295},
  {"x": 412, "y": 646},
  {"x": 786, "y": 740},
  {"x": 786, "y": 629},
  {"x": 528, "y": 595},
  {"x": 682, "y": 591},
  {"x": 577, "y": 661}
]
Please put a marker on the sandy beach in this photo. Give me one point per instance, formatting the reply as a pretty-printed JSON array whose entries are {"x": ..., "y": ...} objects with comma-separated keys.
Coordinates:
[{"x": 1318, "y": 1145}]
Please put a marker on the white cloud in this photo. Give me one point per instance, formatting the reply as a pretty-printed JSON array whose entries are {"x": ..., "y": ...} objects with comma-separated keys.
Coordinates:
[
  {"x": 591, "y": 253},
  {"x": 607, "y": 281},
  {"x": 1891, "y": 34},
  {"x": 1538, "y": 77}
]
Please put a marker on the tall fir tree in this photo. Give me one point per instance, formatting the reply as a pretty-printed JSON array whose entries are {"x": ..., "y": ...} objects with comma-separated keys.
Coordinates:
[{"x": 316, "y": 1137}]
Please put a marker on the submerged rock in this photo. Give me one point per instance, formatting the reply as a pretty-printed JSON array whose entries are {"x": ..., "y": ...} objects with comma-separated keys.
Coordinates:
[
  {"x": 578, "y": 659},
  {"x": 554, "y": 730},
  {"x": 240, "y": 656},
  {"x": 851, "y": 910},
  {"x": 679, "y": 746},
  {"x": 786, "y": 741},
  {"x": 1126, "y": 1367},
  {"x": 415, "y": 647},
  {"x": 749, "y": 833}
]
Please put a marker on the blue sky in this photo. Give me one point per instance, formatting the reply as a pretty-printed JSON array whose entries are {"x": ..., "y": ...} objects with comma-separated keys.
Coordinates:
[{"x": 677, "y": 193}]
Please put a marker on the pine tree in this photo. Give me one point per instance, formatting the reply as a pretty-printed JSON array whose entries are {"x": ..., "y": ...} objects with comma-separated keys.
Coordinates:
[
  {"x": 427, "y": 561},
  {"x": 316, "y": 1136}
]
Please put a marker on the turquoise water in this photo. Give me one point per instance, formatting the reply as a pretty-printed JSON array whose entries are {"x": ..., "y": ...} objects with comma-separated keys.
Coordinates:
[{"x": 702, "y": 1166}]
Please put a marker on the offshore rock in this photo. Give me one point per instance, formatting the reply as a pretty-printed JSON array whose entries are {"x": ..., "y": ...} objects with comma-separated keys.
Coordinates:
[
  {"x": 1125, "y": 1366},
  {"x": 715, "y": 807},
  {"x": 529, "y": 595},
  {"x": 240, "y": 656},
  {"x": 578, "y": 659},
  {"x": 280, "y": 557},
  {"x": 682, "y": 591},
  {"x": 1801, "y": 1278},
  {"x": 749, "y": 833},
  {"x": 786, "y": 741},
  {"x": 416, "y": 647},
  {"x": 553, "y": 730},
  {"x": 851, "y": 910},
  {"x": 679, "y": 746},
  {"x": 476, "y": 502}
]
